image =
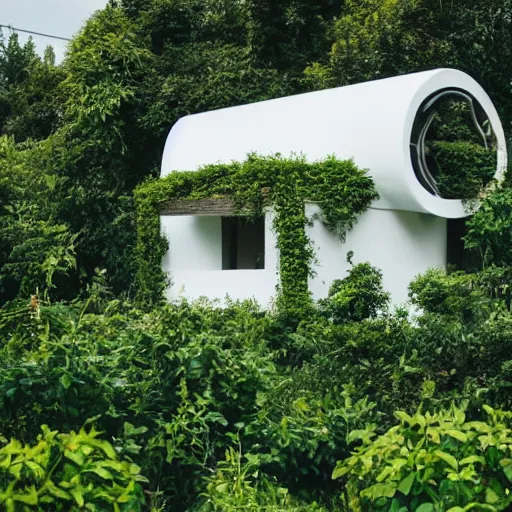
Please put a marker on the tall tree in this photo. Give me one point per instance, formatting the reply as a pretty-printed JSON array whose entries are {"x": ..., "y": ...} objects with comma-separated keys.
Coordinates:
[
  {"x": 291, "y": 34},
  {"x": 16, "y": 61},
  {"x": 30, "y": 100}
]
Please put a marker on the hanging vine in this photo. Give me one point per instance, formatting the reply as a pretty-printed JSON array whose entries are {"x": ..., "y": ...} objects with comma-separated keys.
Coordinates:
[{"x": 341, "y": 189}]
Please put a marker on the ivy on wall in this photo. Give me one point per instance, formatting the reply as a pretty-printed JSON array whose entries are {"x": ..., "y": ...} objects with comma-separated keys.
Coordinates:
[{"x": 341, "y": 189}]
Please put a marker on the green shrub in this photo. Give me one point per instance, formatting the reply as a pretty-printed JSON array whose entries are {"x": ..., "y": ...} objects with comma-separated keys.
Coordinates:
[
  {"x": 465, "y": 168},
  {"x": 298, "y": 439},
  {"x": 68, "y": 472},
  {"x": 237, "y": 484},
  {"x": 490, "y": 229},
  {"x": 432, "y": 462},
  {"x": 455, "y": 294},
  {"x": 185, "y": 380},
  {"x": 186, "y": 374},
  {"x": 358, "y": 296}
]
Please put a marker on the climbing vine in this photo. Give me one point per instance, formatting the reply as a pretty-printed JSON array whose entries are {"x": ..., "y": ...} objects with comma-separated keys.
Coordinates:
[{"x": 341, "y": 189}]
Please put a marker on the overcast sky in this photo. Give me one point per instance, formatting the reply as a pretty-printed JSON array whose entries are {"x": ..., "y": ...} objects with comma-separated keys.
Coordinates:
[{"x": 56, "y": 17}]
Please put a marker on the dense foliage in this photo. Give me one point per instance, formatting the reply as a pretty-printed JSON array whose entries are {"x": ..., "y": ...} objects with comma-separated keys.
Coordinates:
[
  {"x": 433, "y": 462},
  {"x": 68, "y": 472},
  {"x": 97, "y": 122},
  {"x": 234, "y": 408},
  {"x": 108, "y": 404}
]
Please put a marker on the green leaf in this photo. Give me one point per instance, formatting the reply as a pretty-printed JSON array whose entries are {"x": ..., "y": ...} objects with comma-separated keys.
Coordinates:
[
  {"x": 124, "y": 498},
  {"x": 130, "y": 430},
  {"x": 66, "y": 381},
  {"x": 449, "y": 459},
  {"x": 222, "y": 488},
  {"x": 491, "y": 496},
  {"x": 35, "y": 468},
  {"x": 78, "y": 495},
  {"x": 377, "y": 491},
  {"x": 488, "y": 409},
  {"x": 76, "y": 456},
  {"x": 29, "y": 498},
  {"x": 434, "y": 435},
  {"x": 11, "y": 392},
  {"x": 106, "y": 447},
  {"x": 101, "y": 472},
  {"x": 395, "y": 506},
  {"x": 459, "y": 415},
  {"x": 339, "y": 471},
  {"x": 405, "y": 485},
  {"x": 479, "y": 426},
  {"x": 6, "y": 461},
  {"x": 425, "y": 507},
  {"x": 508, "y": 472},
  {"x": 403, "y": 417},
  {"x": 55, "y": 491},
  {"x": 457, "y": 434},
  {"x": 15, "y": 470}
]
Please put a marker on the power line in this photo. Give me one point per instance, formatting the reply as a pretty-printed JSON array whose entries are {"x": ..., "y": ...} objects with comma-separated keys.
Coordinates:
[{"x": 34, "y": 33}]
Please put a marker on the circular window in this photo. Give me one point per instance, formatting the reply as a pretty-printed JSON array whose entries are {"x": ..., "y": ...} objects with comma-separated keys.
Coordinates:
[{"x": 453, "y": 146}]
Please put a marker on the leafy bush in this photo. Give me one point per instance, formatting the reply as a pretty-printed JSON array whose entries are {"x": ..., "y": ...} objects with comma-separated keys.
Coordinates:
[
  {"x": 465, "y": 168},
  {"x": 189, "y": 381},
  {"x": 455, "y": 294},
  {"x": 189, "y": 376},
  {"x": 299, "y": 438},
  {"x": 432, "y": 462},
  {"x": 490, "y": 229},
  {"x": 358, "y": 296},
  {"x": 238, "y": 485},
  {"x": 35, "y": 249},
  {"x": 68, "y": 472}
]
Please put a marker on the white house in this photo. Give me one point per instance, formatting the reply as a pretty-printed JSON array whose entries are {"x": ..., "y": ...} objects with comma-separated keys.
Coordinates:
[{"x": 381, "y": 125}]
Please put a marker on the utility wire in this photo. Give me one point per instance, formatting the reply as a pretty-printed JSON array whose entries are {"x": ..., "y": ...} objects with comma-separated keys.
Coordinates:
[{"x": 34, "y": 33}]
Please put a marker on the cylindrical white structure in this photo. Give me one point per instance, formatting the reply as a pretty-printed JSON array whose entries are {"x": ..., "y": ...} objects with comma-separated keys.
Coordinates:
[
  {"x": 376, "y": 124},
  {"x": 370, "y": 122}
]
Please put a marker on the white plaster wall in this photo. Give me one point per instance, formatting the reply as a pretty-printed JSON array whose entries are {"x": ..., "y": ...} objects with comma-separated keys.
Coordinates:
[
  {"x": 195, "y": 242},
  {"x": 194, "y": 262},
  {"x": 401, "y": 244}
]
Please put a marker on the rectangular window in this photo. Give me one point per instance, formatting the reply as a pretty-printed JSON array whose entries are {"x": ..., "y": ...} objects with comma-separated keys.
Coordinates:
[{"x": 243, "y": 243}]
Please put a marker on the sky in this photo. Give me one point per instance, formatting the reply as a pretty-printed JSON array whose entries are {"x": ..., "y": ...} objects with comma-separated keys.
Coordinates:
[{"x": 56, "y": 17}]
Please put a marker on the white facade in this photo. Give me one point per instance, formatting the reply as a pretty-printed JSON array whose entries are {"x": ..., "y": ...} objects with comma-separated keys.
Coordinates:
[
  {"x": 402, "y": 244},
  {"x": 403, "y": 233}
]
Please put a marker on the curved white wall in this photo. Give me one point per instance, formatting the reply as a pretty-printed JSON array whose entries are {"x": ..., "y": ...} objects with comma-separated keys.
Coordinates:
[{"x": 369, "y": 122}]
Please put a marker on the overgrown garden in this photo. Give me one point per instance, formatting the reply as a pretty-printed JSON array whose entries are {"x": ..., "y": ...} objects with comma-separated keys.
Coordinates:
[{"x": 111, "y": 399}]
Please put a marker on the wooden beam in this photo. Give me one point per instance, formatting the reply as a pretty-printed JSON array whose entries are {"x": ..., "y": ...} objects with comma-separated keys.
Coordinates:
[
  {"x": 209, "y": 206},
  {"x": 219, "y": 207}
]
